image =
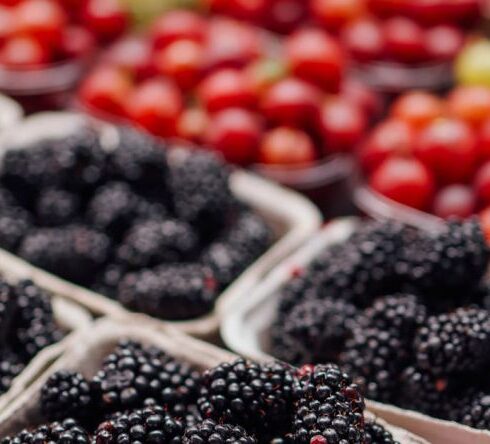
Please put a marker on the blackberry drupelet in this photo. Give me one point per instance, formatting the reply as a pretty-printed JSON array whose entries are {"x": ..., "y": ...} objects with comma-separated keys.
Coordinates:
[
  {"x": 174, "y": 291},
  {"x": 107, "y": 281},
  {"x": 377, "y": 434},
  {"x": 152, "y": 242},
  {"x": 65, "y": 432},
  {"x": 328, "y": 405},
  {"x": 472, "y": 409},
  {"x": 133, "y": 374},
  {"x": 10, "y": 367},
  {"x": 374, "y": 358},
  {"x": 212, "y": 432},
  {"x": 56, "y": 207},
  {"x": 454, "y": 342},
  {"x": 258, "y": 397},
  {"x": 66, "y": 394},
  {"x": 15, "y": 223},
  {"x": 148, "y": 425},
  {"x": 8, "y": 308},
  {"x": 74, "y": 252},
  {"x": 224, "y": 261}
]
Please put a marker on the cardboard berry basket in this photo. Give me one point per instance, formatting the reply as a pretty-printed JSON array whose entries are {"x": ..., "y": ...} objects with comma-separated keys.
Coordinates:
[
  {"x": 245, "y": 331},
  {"x": 292, "y": 218},
  {"x": 85, "y": 352},
  {"x": 10, "y": 112}
]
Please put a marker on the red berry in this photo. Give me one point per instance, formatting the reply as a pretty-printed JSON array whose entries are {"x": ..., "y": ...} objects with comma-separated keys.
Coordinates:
[
  {"x": 227, "y": 88},
  {"x": 454, "y": 201},
  {"x": 342, "y": 125},
  {"x": 284, "y": 16},
  {"x": 443, "y": 42},
  {"x": 292, "y": 102},
  {"x": 404, "y": 40},
  {"x": 7, "y": 24},
  {"x": 107, "y": 19},
  {"x": 316, "y": 57},
  {"x": 156, "y": 105},
  {"x": 417, "y": 108},
  {"x": 22, "y": 52},
  {"x": 470, "y": 103},
  {"x": 387, "y": 8},
  {"x": 482, "y": 184},
  {"x": 484, "y": 140},
  {"x": 76, "y": 42},
  {"x": 251, "y": 10},
  {"x": 448, "y": 147},
  {"x": 404, "y": 180},
  {"x": 364, "y": 39},
  {"x": 192, "y": 124},
  {"x": 133, "y": 54},
  {"x": 366, "y": 99},
  {"x": 236, "y": 134},
  {"x": 485, "y": 223},
  {"x": 286, "y": 146},
  {"x": 335, "y": 14}
]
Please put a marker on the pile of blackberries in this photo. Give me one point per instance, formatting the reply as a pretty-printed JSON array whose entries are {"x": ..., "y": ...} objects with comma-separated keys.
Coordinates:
[
  {"x": 163, "y": 235},
  {"x": 142, "y": 395},
  {"x": 406, "y": 313},
  {"x": 27, "y": 325}
]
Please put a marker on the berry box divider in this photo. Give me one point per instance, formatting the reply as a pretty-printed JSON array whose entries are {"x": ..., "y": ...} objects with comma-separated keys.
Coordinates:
[
  {"x": 245, "y": 326},
  {"x": 293, "y": 220},
  {"x": 85, "y": 352}
]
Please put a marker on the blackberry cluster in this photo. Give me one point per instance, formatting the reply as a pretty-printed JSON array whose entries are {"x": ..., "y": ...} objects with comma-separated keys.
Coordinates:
[
  {"x": 410, "y": 311},
  {"x": 377, "y": 434},
  {"x": 102, "y": 211},
  {"x": 210, "y": 431}
]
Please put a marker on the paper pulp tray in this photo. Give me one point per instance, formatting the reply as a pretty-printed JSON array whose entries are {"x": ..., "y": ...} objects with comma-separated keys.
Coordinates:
[
  {"x": 292, "y": 218},
  {"x": 86, "y": 351},
  {"x": 245, "y": 331}
]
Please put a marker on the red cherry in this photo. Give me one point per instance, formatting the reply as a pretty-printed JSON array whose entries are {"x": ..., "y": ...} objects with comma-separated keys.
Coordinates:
[
  {"x": 484, "y": 140},
  {"x": 107, "y": 19},
  {"x": 156, "y": 105},
  {"x": 182, "y": 61},
  {"x": 134, "y": 54},
  {"x": 284, "y": 16},
  {"x": 485, "y": 223},
  {"x": 342, "y": 125},
  {"x": 316, "y": 57},
  {"x": 10, "y": 2},
  {"x": 7, "y": 24},
  {"x": 364, "y": 39},
  {"x": 448, "y": 147},
  {"x": 106, "y": 89},
  {"x": 470, "y": 103},
  {"x": 443, "y": 42},
  {"x": 404, "y": 180},
  {"x": 227, "y": 88},
  {"x": 76, "y": 42},
  {"x": 178, "y": 25},
  {"x": 428, "y": 12},
  {"x": 192, "y": 124},
  {"x": 387, "y": 8},
  {"x": 335, "y": 14},
  {"x": 366, "y": 99},
  {"x": 418, "y": 108},
  {"x": 292, "y": 102},
  {"x": 481, "y": 184},
  {"x": 286, "y": 146},
  {"x": 404, "y": 40},
  {"x": 22, "y": 52},
  {"x": 393, "y": 136},
  {"x": 454, "y": 201},
  {"x": 235, "y": 133},
  {"x": 251, "y": 10}
]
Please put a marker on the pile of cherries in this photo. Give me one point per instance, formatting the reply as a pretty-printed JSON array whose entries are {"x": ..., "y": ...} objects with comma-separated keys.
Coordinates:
[
  {"x": 433, "y": 154},
  {"x": 40, "y": 32},
  {"x": 230, "y": 86}
]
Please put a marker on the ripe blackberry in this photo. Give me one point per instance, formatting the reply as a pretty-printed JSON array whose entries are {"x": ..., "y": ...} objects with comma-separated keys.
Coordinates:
[
  {"x": 8, "y": 308},
  {"x": 329, "y": 406},
  {"x": 65, "y": 432},
  {"x": 133, "y": 373},
  {"x": 377, "y": 434},
  {"x": 258, "y": 397},
  {"x": 56, "y": 207},
  {"x": 15, "y": 223},
  {"x": 73, "y": 252},
  {"x": 148, "y": 425},
  {"x": 152, "y": 242},
  {"x": 210, "y": 432},
  {"x": 174, "y": 291},
  {"x": 108, "y": 279},
  {"x": 10, "y": 367},
  {"x": 454, "y": 342},
  {"x": 375, "y": 358},
  {"x": 472, "y": 409},
  {"x": 66, "y": 393},
  {"x": 224, "y": 261}
]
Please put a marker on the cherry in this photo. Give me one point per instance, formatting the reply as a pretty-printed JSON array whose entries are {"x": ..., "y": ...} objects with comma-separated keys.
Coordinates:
[
  {"x": 251, "y": 10},
  {"x": 316, "y": 57},
  {"x": 454, "y": 201},
  {"x": 387, "y": 8},
  {"x": 156, "y": 105},
  {"x": 342, "y": 125},
  {"x": 448, "y": 147},
  {"x": 106, "y": 89},
  {"x": 236, "y": 134},
  {"x": 133, "y": 54},
  {"x": 428, "y": 12},
  {"x": 404, "y": 40},
  {"x": 443, "y": 42},
  {"x": 292, "y": 102},
  {"x": 360, "y": 95},
  {"x": 404, "y": 180},
  {"x": 192, "y": 124},
  {"x": 182, "y": 61},
  {"x": 417, "y": 108},
  {"x": 485, "y": 223},
  {"x": 286, "y": 146},
  {"x": 484, "y": 140},
  {"x": 335, "y": 14},
  {"x": 10, "y": 2},
  {"x": 178, "y": 25},
  {"x": 107, "y": 19},
  {"x": 470, "y": 103},
  {"x": 22, "y": 52},
  {"x": 76, "y": 42},
  {"x": 364, "y": 39},
  {"x": 481, "y": 184},
  {"x": 284, "y": 16},
  {"x": 7, "y": 24}
]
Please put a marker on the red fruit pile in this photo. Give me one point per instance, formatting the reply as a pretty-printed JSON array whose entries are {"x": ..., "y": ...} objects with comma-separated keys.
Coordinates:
[
  {"x": 226, "y": 84},
  {"x": 433, "y": 154},
  {"x": 39, "y": 32}
]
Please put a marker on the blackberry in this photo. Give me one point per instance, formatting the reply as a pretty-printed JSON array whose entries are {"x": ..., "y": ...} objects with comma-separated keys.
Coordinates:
[
  {"x": 174, "y": 291},
  {"x": 454, "y": 342},
  {"x": 210, "y": 432},
  {"x": 10, "y": 367},
  {"x": 8, "y": 308},
  {"x": 66, "y": 393},
  {"x": 73, "y": 252},
  {"x": 133, "y": 374},
  {"x": 65, "y": 432},
  {"x": 329, "y": 406},
  {"x": 224, "y": 261},
  {"x": 15, "y": 223},
  {"x": 152, "y": 242},
  {"x": 472, "y": 409},
  {"x": 7, "y": 200},
  {"x": 108, "y": 279},
  {"x": 255, "y": 396},
  {"x": 377, "y": 434},
  {"x": 56, "y": 207},
  {"x": 375, "y": 359},
  {"x": 149, "y": 425}
]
